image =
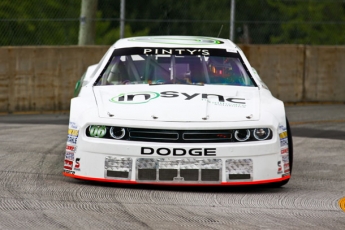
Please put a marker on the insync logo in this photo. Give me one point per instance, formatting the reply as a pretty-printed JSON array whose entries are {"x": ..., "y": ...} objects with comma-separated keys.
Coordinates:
[
  {"x": 144, "y": 97},
  {"x": 135, "y": 97}
]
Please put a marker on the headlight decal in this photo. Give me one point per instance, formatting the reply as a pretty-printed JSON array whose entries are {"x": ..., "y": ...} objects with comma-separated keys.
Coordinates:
[{"x": 97, "y": 130}]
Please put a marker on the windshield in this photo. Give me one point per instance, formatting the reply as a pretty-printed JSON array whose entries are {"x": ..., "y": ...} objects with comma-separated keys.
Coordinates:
[{"x": 162, "y": 68}]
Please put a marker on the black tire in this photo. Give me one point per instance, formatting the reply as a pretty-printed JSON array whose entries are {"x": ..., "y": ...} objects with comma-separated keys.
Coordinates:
[{"x": 290, "y": 144}]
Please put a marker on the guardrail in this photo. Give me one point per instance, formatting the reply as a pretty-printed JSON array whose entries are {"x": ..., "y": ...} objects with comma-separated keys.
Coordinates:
[{"x": 42, "y": 78}]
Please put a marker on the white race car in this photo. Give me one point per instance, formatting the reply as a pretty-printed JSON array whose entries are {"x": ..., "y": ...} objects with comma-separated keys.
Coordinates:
[{"x": 177, "y": 110}]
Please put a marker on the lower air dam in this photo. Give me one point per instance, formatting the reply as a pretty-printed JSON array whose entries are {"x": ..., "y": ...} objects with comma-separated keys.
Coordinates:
[{"x": 186, "y": 170}]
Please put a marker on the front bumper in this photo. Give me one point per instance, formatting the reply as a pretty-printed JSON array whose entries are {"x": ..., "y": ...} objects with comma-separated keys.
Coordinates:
[{"x": 191, "y": 164}]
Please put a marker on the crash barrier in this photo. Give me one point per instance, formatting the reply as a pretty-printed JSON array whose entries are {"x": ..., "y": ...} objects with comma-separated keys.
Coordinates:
[
  {"x": 42, "y": 78},
  {"x": 38, "y": 79},
  {"x": 299, "y": 73}
]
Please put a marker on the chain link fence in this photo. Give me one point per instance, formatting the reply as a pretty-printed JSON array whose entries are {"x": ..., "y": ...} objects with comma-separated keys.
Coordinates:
[{"x": 52, "y": 22}]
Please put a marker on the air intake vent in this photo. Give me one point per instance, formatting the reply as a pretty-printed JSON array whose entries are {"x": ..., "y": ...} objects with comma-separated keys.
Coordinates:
[
  {"x": 150, "y": 134},
  {"x": 187, "y": 170},
  {"x": 180, "y": 136}
]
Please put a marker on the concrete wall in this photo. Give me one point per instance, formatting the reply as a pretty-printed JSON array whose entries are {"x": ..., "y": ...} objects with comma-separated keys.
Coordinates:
[
  {"x": 325, "y": 73},
  {"x": 43, "y": 78},
  {"x": 281, "y": 67},
  {"x": 299, "y": 73}
]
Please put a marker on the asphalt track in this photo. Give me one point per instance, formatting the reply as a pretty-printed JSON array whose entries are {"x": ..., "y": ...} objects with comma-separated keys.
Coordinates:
[{"x": 35, "y": 195}]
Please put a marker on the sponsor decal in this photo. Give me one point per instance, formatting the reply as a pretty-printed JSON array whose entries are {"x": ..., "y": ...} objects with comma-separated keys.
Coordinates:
[
  {"x": 73, "y": 132},
  {"x": 68, "y": 164},
  {"x": 69, "y": 171},
  {"x": 77, "y": 164},
  {"x": 283, "y": 135},
  {"x": 280, "y": 169},
  {"x": 286, "y": 159},
  {"x": 284, "y": 150},
  {"x": 97, "y": 130},
  {"x": 72, "y": 139},
  {"x": 73, "y": 125},
  {"x": 191, "y": 51},
  {"x": 69, "y": 155},
  {"x": 135, "y": 97},
  {"x": 286, "y": 163},
  {"x": 180, "y": 179},
  {"x": 179, "y": 151},
  {"x": 284, "y": 142},
  {"x": 144, "y": 97},
  {"x": 227, "y": 104},
  {"x": 282, "y": 128},
  {"x": 204, "y": 52},
  {"x": 286, "y": 167},
  {"x": 71, "y": 148}
]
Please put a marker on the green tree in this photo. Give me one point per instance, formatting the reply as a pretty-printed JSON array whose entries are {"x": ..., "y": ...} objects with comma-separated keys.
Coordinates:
[
  {"x": 38, "y": 22},
  {"x": 108, "y": 36},
  {"x": 52, "y": 22},
  {"x": 260, "y": 18},
  {"x": 172, "y": 17},
  {"x": 201, "y": 17},
  {"x": 311, "y": 22}
]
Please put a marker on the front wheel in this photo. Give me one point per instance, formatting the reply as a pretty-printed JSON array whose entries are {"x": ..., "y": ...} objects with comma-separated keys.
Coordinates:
[{"x": 290, "y": 144}]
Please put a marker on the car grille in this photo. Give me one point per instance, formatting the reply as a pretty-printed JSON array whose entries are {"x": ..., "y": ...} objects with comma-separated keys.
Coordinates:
[{"x": 180, "y": 136}]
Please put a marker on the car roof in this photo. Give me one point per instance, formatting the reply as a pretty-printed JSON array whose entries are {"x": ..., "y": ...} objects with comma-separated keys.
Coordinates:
[{"x": 176, "y": 41}]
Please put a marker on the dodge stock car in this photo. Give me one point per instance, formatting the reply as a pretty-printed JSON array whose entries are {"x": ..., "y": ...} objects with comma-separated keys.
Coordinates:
[{"x": 177, "y": 110}]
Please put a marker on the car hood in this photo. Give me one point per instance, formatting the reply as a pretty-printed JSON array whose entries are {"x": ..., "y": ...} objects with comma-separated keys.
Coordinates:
[{"x": 183, "y": 103}]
